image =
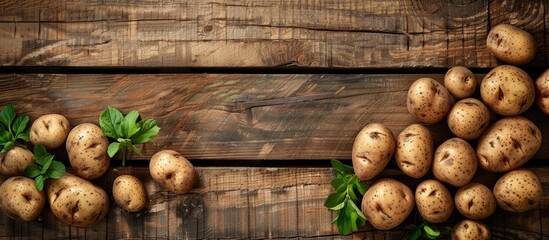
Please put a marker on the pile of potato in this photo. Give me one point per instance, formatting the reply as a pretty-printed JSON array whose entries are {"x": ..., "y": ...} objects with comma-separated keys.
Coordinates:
[{"x": 502, "y": 146}]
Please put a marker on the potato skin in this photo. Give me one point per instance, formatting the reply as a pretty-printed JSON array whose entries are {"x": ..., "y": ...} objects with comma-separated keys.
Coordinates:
[
  {"x": 173, "y": 171},
  {"x": 129, "y": 193},
  {"x": 428, "y": 101},
  {"x": 460, "y": 82},
  {"x": 542, "y": 92},
  {"x": 434, "y": 202},
  {"x": 508, "y": 144},
  {"x": 372, "y": 150},
  {"x": 455, "y": 162},
  {"x": 50, "y": 130},
  {"x": 518, "y": 191},
  {"x": 20, "y": 199},
  {"x": 387, "y": 203},
  {"x": 15, "y": 161},
  {"x": 475, "y": 201},
  {"x": 507, "y": 90},
  {"x": 77, "y": 202},
  {"x": 468, "y": 119},
  {"x": 414, "y": 150},
  {"x": 511, "y": 44},
  {"x": 87, "y": 149},
  {"x": 471, "y": 230}
]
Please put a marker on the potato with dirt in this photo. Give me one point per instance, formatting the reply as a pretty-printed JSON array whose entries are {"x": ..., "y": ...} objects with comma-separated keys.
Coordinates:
[
  {"x": 428, "y": 101},
  {"x": 87, "y": 151},
  {"x": 511, "y": 44},
  {"x": 471, "y": 230},
  {"x": 15, "y": 161},
  {"x": 173, "y": 171},
  {"x": 20, "y": 199},
  {"x": 468, "y": 119},
  {"x": 460, "y": 82},
  {"x": 455, "y": 162},
  {"x": 414, "y": 150},
  {"x": 387, "y": 203},
  {"x": 475, "y": 201},
  {"x": 434, "y": 202},
  {"x": 129, "y": 193},
  {"x": 518, "y": 191},
  {"x": 372, "y": 150},
  {"x": 50, "y": 130}
]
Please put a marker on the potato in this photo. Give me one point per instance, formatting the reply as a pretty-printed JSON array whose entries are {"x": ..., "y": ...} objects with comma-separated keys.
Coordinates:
[
  {"x": 387, "y": 203},
  {"x": 518, "y": 191},
  {"x": 507, "y": 90},
  {"x": 455, "y": 162},
  {"x": 372, "y": 150},
  {"x": 77, "y": 202},
  {"x": 460, "y": 82},
  {"x": 15, "y": 161},
  {"x": 129, "y": 193},
  {"x": 471, "y": 230},
  {"x": 50, "y": 130},
  {"x": 87, "y": 150},
  {"x": 475, "y": 201},
  {"x": 434, "y": 202},
  {"x": 414, "y": 150},
  {"x": 173, "y": 171},
  {"x": 542, "y": 92},
  {"x": 428, "y": 100},
  {"x": 468, "y": 119},
  {"x": 508, "y": 144},
  {"x": 20, "y": 199},
  {"x": 511, "y": 44}
]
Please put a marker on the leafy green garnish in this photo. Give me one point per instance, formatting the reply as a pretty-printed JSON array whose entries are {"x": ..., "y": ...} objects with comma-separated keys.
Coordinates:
[
  {"x": 126, "y": 131},
  {"x": 44, "y": 168},
  {"x": 12, "y": 128},
  {"x": 425, "y": 231},
  {"x": 345, "y": 199}
]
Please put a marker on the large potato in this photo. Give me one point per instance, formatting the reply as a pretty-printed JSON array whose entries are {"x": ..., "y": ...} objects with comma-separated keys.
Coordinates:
[
  {"x": 15, "y": 161},
  {"x": 20, "y": 199},
  {"x": 542, "y": 92},
  {"x": 414, "y": 150},
  {"x": 387, "y": 203},
  {"x": 87, "y": 150},
  {"x": 518, "y": 191},
  {"x": 508, "y": 144},
  {"x": 50, "y": 130},
  {"x": 129, "y": 193},
  {"x": 372, "y": 150},
  {"x": 173, "y": 171},
  {"x": 475, "y": 201},
  {"x": 511, "y": 44},
  {"x": 428, "y": 100},
  {"x": 468, "y": 119},
  {"x": 434, "y": 202},
  {"x": 507, "y": 90},
  {"x": 460, "y": 82},
  {"x": 455, "y": 162},
  {"x": 471, "y": 230},
  {"x": 76, "y": 201}
]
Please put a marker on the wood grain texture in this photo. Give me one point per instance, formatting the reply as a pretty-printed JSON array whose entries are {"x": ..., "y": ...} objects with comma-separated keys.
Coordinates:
[{"x": 350, "y": 33}]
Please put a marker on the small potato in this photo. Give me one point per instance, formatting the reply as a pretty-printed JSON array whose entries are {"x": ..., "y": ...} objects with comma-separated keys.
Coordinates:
[
  {"x": 542, "y": 92},
  {"x": 507, "y": 90},
  {"x": 76, "y": 201},
  {"x": 460, "y": 82},
  {"x": 372, "y": 150},
  {"x": 50, "y": 130},
  {"x": 475, "y": 201},
  {"x": 428, "y": 101},
  {"x": 455, "y": 162},
  {"x": 471, "y": 230},
  {"x": 387, "y": 203},
  {"x": 20, "y": 199},
  {"x": 511, "y": 44},
  {"x": 87, "y": 150},
  {"x": 508, "y": 144},
  {"x": 434, "y": 202},
  {"x": 129, "y": 193},
  {"x": 173, "y": 171},
  {"x": 518, "y": 191},
  {"x": 15, "y": 161},
  {"x": 414, "y": 150},
  {"x": 468, "y": 119}
]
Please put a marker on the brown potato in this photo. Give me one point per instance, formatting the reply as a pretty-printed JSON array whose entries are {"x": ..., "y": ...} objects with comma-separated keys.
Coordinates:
[
  {"x": 468, "y": 119},
  {"x": 471, "y": 230},
  {"x": 387, "y": 203},
  {"x": 173, "y": 171},
  {"x": 20, "y": 199},
  {"x": 87, "y": 150},
  {"x": 455, "y": 162},
  {"x": 475, "y": 201},
  {"x": 511, "y": 44},
  {"x": 50, "y": 130},
  {"x": 428, "y": 100},
  {"x": 518, "y": 191},
  {"x": 129, "y": 193},
  {"x": 434, "y": 202},
  {"x": 15, "y": 161},
  {"x": 460, "y": 82},
  {"x": 542, "y": 92},
  {"x": 372, "y": 150},
  {"x": 414, "y": 150}
]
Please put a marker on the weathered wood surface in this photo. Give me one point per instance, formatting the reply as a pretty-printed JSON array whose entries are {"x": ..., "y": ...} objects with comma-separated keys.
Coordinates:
[
  {"x": 350, "y": 33},
  {"x": 254, "y": 203}
]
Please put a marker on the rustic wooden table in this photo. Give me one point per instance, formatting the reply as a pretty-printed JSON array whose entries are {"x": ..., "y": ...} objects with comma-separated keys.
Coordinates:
[{"x": 288, "y": 85}]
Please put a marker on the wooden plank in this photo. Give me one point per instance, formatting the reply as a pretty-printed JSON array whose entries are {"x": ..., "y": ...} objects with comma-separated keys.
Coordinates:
[
  {"x": 351, "y": 33},
  {"x": 255, "y": 203}
]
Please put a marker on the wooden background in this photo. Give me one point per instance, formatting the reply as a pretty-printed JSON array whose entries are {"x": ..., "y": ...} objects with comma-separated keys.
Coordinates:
[{"x": 260, "y": 95}]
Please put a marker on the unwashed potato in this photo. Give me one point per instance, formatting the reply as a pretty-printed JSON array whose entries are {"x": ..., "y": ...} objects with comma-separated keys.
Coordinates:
[
  {"x": 414, "y": 150},
  {"x": 129, "y": 193},
  {"x": 387, "y": 203},
  {"x": 475, "y": 201},
  {"x": 468, "y": 119},
  {"x": 507, "y": 90},
  {"x": 511, "y": 44},
  {"x": 50, "y": 130},
  {"x": 460, "y": 82},
  {"x": 455, "y": 162},
  {"x": 428, "y": 100},
  {"x": 173, "y": 171},
  {"x": 518, "y": 191},
  {"x": 77, "y": 202},
  {"x": 87, "y": 150},
  {"x": 434, "y": 202},
  {"x": 471, "y": 230},
  {"x": 15, "y": 161},
  {"x": 542, "y": 92},
  {"x": 508, "y": 144},
  {"x": 20, "y": 199},
  {"x": 372, "y": 150}
]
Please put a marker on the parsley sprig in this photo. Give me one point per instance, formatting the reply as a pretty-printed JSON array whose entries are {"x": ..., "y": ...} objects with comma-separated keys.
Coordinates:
[
  {"x": 425, "y": 231},
  {"x": 347, "y": 190},
  {"x": 44, "y": 168},
  {"x": 12, "y": 128}
]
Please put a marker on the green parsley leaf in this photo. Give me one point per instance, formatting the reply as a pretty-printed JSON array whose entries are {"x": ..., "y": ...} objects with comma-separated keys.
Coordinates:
[
  {"x": 340, "y": 167},
  {"x": 32, "y": 171},
  {"x": 147, "y": 131},
  {"x": 7, "y": 114},
  {"x": 113, "y": 149},
  {"x": 12, "y": 128},
  {"x": 424, "y": 231},
  {"x": 56, "y": 170},
  {"x": 110, "y": 121},
  {"x": 44, "y": 168},
  {"x": 130, "y": 127},
  {"x": 20, "y": 124},
  {"x": 39, "y": 182},
  {"x": 40, "y": 154}
]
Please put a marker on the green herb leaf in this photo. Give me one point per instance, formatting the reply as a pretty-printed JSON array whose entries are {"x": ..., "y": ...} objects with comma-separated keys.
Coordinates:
[
  {"x": 12, "y": 128},
  {"x": 430, "y": 231},
  {"x": 113, "y": 149},
  {"x": 147, "y": 131},
  {"x": 415, "y": 235},
  {"x": 135, "y": 149},
  {"x": 361, "y": 187},
  {"x": 336, "y": 182},
  {"x": 129, "y": 126},
  {"x": 20, "y": 124},
  {"x": 32, "y": 171},
  {"x": 110, "y": 121},
  {"x": 40, "y": 154},
  {"x": 44, "y": 168},
  {"x": 339, "y": 166},
  {"x": 39, "y": 182},
  {"x": 7, "y": 114},
  {"x": 56, "y": 170},
  {"x": 7, "y": 147}
]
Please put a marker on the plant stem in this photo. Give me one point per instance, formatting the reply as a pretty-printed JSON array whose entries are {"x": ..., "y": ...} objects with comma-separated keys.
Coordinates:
[{"x": 124, "y": 148}]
